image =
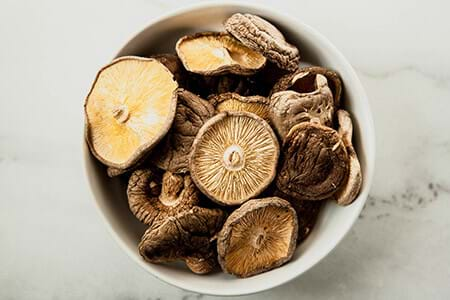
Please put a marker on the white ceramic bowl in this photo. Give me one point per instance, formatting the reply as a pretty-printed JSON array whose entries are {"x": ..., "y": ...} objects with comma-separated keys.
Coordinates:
[{"x": 333, "y": 223}]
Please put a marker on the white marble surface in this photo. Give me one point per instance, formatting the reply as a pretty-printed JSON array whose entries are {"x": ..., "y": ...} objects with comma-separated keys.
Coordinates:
[{"x": 53, "y": 245}]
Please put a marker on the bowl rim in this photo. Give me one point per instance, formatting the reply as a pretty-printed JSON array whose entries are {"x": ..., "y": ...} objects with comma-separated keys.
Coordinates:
[{"x": 368, "y": 128}]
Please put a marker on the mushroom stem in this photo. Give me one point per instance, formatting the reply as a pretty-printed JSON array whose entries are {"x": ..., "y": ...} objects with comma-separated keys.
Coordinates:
[
  {"x": 121, "y": 113},
  {"x": 259, "y": 240},
  {"x": 234, "y": 158},
  {"x": 172, "y": 185}
]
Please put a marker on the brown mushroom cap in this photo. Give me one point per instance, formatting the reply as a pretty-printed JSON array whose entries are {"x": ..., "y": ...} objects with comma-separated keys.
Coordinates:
[
  {"x": 302, "y": 81},
  {"x": 187, "y": 236},
  {"x": 234, "y": 157},
  {"x": 216, "y": 53},
  {"x": 290, "y": 108},
  {"x": 314, "y": 164},
  {"x": 152, "y": 199},
  {"x": 307, "y": 213},
  {"x": 351, "y": 187},
  {"x": 172, "y": 154},
  {"x": 129, "y": 109},
  {"x": 260, "y": 35},
  {"x": 258, "y": 236},
  {"x": 234, "y": 102}
]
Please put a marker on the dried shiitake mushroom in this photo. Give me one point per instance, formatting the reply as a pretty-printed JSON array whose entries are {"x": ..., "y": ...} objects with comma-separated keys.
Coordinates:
[
  {"x": 350, "y": 189},
  {"x": 258, "y": 236},
  {"x": 234, "y": 157},
  {"x": 303, "y": 79},
  {"x": 234, "y": 102},
  {"x": 307, "y": 213},
  {"x": 260, "y": 35},
  {"x": 129, "y": 109},
  {"x": 152, "y": 199},
  {"x": 290, "y": 108},
  {"x": 172, "y": 154},
  {"x": 188, "y": 236},
  {"x": 215, "y": 53},
  {"x": 314, "y": 162}
]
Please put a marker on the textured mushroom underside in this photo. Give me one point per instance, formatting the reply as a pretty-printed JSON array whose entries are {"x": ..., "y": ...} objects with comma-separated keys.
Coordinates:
[
  {"x": 128, "y": 110},
  {"x": 234, "y": 102},
  {"x": 187, "y": 236},
  {"x": 172, "y": 153},
  {"x": 260, "y": 35},
  {"x": 258, "y": 236},
  {"x": 302, "y": 80},
  {"x": 234, "y": 157},
  {"x": 314, "y": 163},
  {"x": 152, "y": 199},
  {"x": 217, "y": 53},
  {"x": 290, "y": 108},
  {"x": 351, "y": 187}
]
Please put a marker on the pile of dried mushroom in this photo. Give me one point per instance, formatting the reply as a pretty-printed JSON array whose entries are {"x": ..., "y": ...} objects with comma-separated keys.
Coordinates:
[{"x": 231, "y": 145}]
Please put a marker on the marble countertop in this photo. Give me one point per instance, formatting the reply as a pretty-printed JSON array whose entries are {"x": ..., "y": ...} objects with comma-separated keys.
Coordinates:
[{"x": 53, "y": 245}]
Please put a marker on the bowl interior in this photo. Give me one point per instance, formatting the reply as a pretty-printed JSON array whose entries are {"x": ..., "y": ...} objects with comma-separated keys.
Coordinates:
[{"x": 333, "y": 223}]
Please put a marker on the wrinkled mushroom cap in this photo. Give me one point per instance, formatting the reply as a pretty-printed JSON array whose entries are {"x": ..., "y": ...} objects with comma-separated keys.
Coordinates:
[
  {"x": 260, "y": 35},
  {"x": 302, "y": 81},
  {"x": 172, "y": 154},
  {"x": 234, "y": 102},
  {"x": 350, "y": 189},
  {"x": 129, "y": 109},
  {"x": 258, "y": 236},
  {"x": 215, "y": 53},
  {"x": 290, "y": 108},
  {"x": 152, "y": 199},
  {"x": 234, "y": 157},
  {"x": 187, "y": 236},
  {"x": 314, "y": 164}
]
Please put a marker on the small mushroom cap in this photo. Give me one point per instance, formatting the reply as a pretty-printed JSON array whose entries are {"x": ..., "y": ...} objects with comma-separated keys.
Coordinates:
[
  {"x": 216, "y": 53},
  {"x": 350, "y": 189},
  {"x": 234, "y": 102},
  {"x": 187, "y": 236},
  {"x": 129, "y": 109},
  {"x": 314, "y": 164},
  {"x": 260, "y": 35},
  {"x": 303, "y": 79},
  {"x": 258, "y": 236},
  {"x": 152, "y": 199},
  {"x": 290, "y": 108},
  {"x": 234, "y": 157},
  {"x": 172, "y": 154}
]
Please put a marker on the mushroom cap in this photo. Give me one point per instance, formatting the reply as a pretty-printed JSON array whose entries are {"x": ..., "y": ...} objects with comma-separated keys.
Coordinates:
[
  {"x": 351, "y": 187},
  {"x": 303, "y": 79},
  {"x": 216, "y": 53},
  {"x": 258, "y": 236},
  {"x": 258, "y": 105},
  {"x": 129, "y": 108},
  {"x": 172, "y": 154},
  {"x": 234, "y": 157},
  {"x": 290, "y": 108},
  {"x": 314, "y": 163},
  {"x": 153, "y": 198},
  {"x": 187, "y": 236},
  {"x": 260, "y": 35}
]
